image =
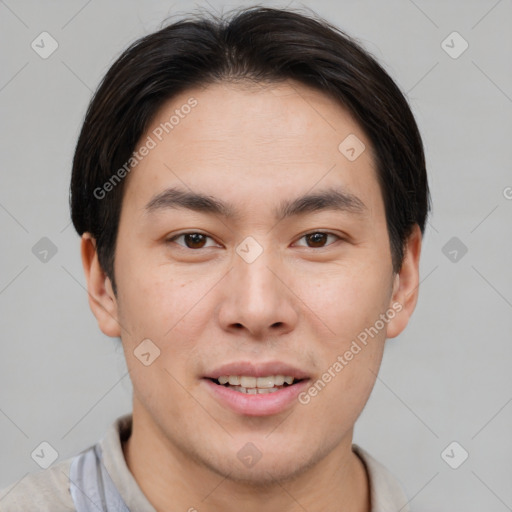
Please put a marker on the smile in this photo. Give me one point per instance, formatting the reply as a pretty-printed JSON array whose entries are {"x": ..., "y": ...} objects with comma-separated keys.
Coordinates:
[{"x": 255, "y": 385}]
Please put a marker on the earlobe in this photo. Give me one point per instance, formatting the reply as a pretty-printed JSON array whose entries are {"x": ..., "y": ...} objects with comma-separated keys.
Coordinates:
[
  {"x": 102, "y": 300},
  {"x": 406, "y": 285}
]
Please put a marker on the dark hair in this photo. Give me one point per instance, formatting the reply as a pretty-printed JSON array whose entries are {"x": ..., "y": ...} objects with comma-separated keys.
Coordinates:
[{"x": 259, "y": 45}]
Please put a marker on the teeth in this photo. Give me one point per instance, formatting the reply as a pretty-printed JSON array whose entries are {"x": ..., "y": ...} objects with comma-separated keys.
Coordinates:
[
  {"x": 279, "y": 380},
  {"x": 265, "y": 382},
  {"x": 262, "y": 391},
  {"x": 254, "y": 391},
  {"x": 247, "y": 382}
]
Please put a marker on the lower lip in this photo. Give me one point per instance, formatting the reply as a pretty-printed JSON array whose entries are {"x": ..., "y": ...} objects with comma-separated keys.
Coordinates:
[{"x": 256, "y": 405}]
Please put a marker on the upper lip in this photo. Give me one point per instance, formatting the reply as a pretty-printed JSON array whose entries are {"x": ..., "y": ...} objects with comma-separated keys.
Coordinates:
[{"x": 252, "y": 369}]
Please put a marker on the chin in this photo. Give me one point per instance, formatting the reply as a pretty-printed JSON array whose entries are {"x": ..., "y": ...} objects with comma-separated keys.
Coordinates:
[{"x": 265, "y": 473}]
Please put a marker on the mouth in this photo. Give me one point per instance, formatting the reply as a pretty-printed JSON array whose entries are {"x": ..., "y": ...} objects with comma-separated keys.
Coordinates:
[
  {"x": 251, "y": 385},
  {"x": 256, "y": 389}
]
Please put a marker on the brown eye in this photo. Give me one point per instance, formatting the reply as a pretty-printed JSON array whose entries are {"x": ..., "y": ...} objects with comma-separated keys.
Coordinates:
[
  {"x": 192, "y": 240},
  {"x": 318, "y": 239},
  {"x": 195, "y": 240}
]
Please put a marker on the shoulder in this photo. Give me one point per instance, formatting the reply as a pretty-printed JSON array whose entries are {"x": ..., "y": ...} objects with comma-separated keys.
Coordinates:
[{"x": 44, "y": 491}]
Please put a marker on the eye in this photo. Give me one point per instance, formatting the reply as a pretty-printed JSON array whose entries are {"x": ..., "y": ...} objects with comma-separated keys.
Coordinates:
[
  {"x": 318, "y": 239},
  {"x": 192, "y": 240}
]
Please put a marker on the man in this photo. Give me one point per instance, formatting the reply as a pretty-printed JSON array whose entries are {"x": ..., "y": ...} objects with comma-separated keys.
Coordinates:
[{"x": 251, "y": 194}]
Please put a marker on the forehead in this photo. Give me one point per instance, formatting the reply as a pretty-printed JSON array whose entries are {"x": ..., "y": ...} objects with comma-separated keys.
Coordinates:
[{"x": 252, "y": 140}]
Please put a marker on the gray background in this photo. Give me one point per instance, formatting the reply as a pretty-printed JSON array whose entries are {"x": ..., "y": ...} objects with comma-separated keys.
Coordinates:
[{"x": 446, "y": 378}]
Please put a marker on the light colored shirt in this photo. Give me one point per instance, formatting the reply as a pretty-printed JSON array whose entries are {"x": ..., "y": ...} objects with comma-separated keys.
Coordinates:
[{"x": 49, "y": 490}]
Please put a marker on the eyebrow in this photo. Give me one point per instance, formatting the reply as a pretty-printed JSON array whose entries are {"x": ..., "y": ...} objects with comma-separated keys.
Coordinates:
[{"x": 329, "y": 199}]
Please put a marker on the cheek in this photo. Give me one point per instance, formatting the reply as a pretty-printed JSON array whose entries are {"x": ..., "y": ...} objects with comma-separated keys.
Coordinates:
[
  {"x": 349, "y": 303},
  {"x": 168, "y": 307},
  {"x": 347, "y": 376},
  {"x": 346, "y": 300},
  {"x": 152, "y": 296},
  {"x": 156, "y": 307}
]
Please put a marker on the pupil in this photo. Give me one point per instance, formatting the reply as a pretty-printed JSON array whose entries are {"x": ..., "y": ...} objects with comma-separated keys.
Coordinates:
[
  {"x": 317, "y": 239},
  {"x": 194, "y": 240}
]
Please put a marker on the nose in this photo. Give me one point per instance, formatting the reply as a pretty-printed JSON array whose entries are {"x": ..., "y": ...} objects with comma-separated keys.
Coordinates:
[{"x": 258, "y": 299}]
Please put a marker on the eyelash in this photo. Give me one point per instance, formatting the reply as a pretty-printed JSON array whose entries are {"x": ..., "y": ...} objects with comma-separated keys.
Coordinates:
[{"x": 172, "y": 239}]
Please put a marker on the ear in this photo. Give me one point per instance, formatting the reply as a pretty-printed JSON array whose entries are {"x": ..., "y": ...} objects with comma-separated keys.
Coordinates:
[
  {"x": 102, "y": 301},
  {"x": 406, "y": 285}
]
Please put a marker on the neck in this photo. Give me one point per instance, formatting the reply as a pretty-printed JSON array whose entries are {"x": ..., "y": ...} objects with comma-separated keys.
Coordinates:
[{"x": 167, "y": 476}]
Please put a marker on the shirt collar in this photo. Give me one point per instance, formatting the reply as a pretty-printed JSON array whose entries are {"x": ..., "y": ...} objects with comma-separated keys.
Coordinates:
[{"x": 386, "y": 493}]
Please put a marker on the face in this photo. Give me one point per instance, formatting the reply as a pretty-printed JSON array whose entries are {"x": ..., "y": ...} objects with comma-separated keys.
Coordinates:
[{"x": 251, "y": 246}]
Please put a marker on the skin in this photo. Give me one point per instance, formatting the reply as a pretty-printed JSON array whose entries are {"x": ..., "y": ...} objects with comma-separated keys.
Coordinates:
[{"x": 295, "y": 303}]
